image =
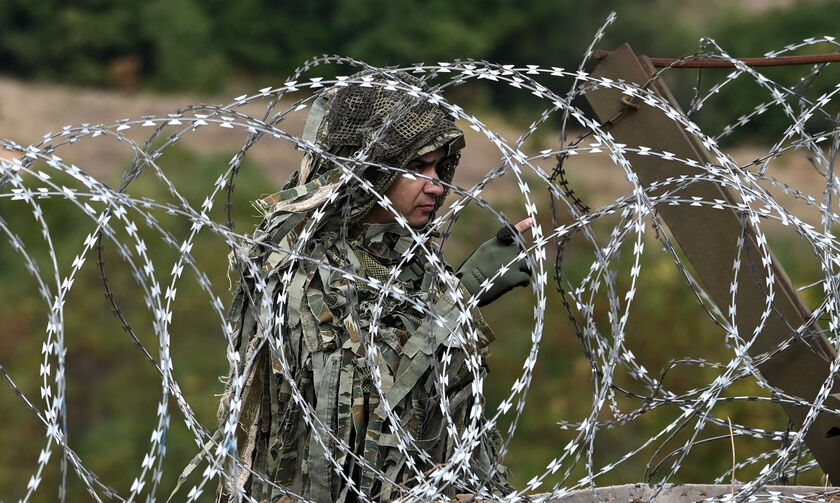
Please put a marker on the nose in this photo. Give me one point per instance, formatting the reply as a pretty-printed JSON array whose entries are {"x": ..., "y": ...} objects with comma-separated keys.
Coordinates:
[{"x": 433, "y": 186}]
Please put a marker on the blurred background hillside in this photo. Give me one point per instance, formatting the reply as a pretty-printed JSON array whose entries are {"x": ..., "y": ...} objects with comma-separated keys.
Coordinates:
[
  {"x": 212, "y": 45},
  {"x": 97, "y": 61}
]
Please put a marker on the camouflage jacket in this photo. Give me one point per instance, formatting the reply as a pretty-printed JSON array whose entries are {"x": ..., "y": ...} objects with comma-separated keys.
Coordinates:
[{"x": 327, "y": 320}]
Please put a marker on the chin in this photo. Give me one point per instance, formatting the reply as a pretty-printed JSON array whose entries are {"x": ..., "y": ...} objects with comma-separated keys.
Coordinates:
[{"x": 419, "y": 223}]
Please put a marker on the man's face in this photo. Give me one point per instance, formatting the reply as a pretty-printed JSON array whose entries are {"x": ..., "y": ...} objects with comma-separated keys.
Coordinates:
[{"x": 414, "y": 199}]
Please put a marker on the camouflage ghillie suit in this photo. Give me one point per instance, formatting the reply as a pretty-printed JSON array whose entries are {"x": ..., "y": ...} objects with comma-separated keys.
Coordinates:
[{"x": 307, "y": 316}]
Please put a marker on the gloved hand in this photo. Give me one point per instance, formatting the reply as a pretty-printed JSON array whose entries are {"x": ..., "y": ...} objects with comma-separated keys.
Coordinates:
[{"x": 489, "y": 258}]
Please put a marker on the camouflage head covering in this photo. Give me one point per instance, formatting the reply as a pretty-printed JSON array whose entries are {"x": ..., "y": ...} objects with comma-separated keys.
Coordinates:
[{"x": 389, "y": 125}]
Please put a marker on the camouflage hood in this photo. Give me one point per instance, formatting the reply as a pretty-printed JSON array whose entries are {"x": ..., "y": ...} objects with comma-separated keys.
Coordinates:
[{"x": 378, "y": 124}]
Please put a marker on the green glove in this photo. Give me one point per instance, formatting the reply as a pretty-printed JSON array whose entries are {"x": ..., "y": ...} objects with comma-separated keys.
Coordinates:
[{"x": 487, "y": 260}]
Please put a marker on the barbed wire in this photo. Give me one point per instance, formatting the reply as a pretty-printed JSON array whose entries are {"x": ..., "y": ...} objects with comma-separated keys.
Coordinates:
[{"x": 599, "y": 304}]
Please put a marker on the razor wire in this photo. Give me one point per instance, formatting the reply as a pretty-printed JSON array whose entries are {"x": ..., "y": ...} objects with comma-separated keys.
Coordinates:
[{"x": 599, "y": 304}]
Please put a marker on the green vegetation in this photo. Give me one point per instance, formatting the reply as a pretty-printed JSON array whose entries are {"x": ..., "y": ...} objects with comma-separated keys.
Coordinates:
[
  {"x": 211, "y": 46},
  {"x": 113, "y": 391},
  {"x": 771, "y": 31},
  {"x": 188, "y": 44}
]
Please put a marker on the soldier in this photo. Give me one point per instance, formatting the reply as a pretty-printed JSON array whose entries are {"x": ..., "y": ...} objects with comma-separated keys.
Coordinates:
[{"x": 358, "y": 358}]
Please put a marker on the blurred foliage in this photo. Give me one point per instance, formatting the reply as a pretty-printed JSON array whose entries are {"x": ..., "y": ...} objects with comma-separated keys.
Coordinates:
[
  {"x": 177, "y": 45},
  {"x": 753, "y": 36},
  {"x": 186, "y": 44},
  {"x": 113, "y": 390}
]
